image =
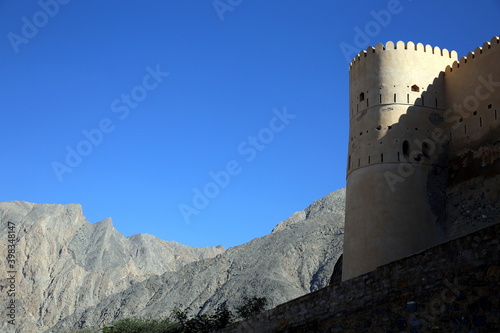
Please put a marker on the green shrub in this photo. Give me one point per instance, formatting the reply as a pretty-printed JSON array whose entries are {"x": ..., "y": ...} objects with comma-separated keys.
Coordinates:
[
  {"x": 203, "y": 323},
  {"x": 181, "y": 322},
  {"x": 136, "y": 325},
  {"x": 251, "y": 306}
]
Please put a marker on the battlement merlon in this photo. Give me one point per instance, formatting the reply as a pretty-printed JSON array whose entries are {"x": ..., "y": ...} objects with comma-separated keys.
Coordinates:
[
  {"x": 487, "y": 48},
  {"x": 404, "y": 47},
  {"x": 398, "y": 74}
]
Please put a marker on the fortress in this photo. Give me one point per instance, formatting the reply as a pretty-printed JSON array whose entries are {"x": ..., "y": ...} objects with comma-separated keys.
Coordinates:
[
  {"x": 421, "y": 246},
  {"x": 424, "y": 141}
]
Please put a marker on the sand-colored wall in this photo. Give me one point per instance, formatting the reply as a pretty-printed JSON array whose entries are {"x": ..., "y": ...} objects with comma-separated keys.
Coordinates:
[
  {"x": 472, "y": 118},
  {"x": 396, "y": 101},
  {"x": 472, "y": 88}
]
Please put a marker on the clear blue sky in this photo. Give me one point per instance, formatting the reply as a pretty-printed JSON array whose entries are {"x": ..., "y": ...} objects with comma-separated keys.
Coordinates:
[{"x": 173, "y": 93}]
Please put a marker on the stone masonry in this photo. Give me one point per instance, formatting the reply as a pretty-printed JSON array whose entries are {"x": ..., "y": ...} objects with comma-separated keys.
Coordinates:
[{"x": 452, "y": 287}]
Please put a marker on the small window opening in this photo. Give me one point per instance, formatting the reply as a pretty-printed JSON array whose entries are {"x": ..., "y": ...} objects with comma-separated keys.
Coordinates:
[
  {"x": 490, "y": 106},
  {"x": 415, "y": 88},
  {"x": 398, "y": 157},
  {"x": 349, "y": 163},
  {"x": 406, "y": 148},
  {"x": 480, "y": 122},
  {"x": 368, "y": 159},
  {"x": 361, "y": 97},
  {"x": 436, "y": 102},
  {"x": 380, "y": 98},
  {"x": 474, "y": 113},
  {"x": 381, "y": 157},
  {"x": 394, "y": 98},
  {"x": 465, "y": 129},
  {"x": 378, "y": 128},
  {"x": 389, "y": 127},
  {"x": 460, "y": 120},
  {"x": 426, "y": 150},
  {"x": 408, "y": 98}
]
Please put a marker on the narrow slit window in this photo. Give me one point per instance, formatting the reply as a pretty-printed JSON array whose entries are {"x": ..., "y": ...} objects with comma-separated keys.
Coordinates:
[
  {"x": 368, "y": 159},
  {"x": 465, "y": 129},
  {"x": 408, "y": 98},
  {"x": 398, "y": 157},
  {"x": 436, "y": 102},
  {"x": 480, "y": 122},
  {"x": 426, "y": 149},
  {"x": 406, "y": 148},
  {"x": 394, "y": 98},
  {"x": 381, "y": 157},
  {"x": 380, "y": 98}
]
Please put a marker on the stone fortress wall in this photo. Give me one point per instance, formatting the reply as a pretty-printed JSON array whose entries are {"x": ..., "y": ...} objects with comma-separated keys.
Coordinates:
[
  {"x": 473, "y": 119},
  {"x": 421, "y": 245},
  {"x": 432, "y": 291},
  {"x": 417, "y": 117}
]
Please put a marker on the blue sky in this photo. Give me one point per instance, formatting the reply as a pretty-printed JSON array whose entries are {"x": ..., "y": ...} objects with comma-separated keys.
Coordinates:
[{"x": 204, "y": 122}]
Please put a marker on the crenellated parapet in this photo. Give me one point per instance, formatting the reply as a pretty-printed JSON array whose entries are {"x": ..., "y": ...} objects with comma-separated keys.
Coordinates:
[
  {"x": 486, "y": 50},
  {"x": 473, "y": 96},
  {"x": 394, "y": 90},
  {"x": 402, "y": 46}
]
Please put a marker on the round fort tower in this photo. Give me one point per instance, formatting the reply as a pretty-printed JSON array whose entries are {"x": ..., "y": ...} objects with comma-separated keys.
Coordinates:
[{"x": 394, "y": 174}]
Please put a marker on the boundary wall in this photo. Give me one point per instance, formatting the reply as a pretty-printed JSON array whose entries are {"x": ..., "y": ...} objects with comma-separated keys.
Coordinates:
[{"x": 452, "y": 287}]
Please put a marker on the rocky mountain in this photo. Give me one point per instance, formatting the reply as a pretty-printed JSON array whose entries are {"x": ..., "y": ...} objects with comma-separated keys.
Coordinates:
[
  {"x": 88, "y": 275},
  {"x": 64, "y": 263}
]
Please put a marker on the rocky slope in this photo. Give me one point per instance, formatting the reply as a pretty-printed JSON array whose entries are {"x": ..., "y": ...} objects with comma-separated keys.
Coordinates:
[
  {"x": 296, "y": 258},
  {"x": 64, "y": 263}
]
